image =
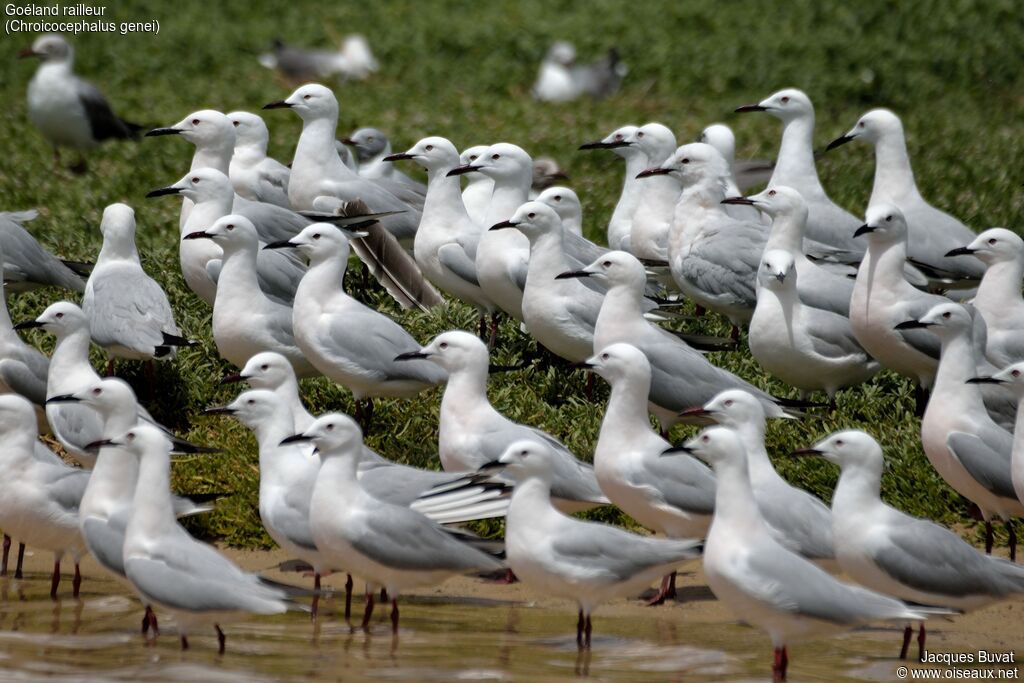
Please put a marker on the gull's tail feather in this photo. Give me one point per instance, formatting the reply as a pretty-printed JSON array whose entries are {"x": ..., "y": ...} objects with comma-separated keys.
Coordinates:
[
  {"x": 464, "y": 500},
  {"x": 78, "y": 267}
]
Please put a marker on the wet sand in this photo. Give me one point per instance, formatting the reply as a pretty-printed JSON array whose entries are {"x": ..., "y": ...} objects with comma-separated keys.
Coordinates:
[{"x": 464, "y": 629}]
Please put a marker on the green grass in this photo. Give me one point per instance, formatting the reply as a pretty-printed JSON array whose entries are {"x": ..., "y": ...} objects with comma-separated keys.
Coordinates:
[{"x": 463, "y": 70}]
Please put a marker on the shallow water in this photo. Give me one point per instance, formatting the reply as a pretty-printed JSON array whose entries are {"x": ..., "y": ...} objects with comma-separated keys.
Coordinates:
[{"x": 442, "y": 639}]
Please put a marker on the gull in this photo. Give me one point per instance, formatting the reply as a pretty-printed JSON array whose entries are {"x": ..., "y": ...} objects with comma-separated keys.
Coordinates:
[
  {"x": 23, "y": 369},
  {"x": 245, "y": 320},
  {"x": 27, "y": 264},
  {"x": 587, "y": 562},
  {"x": 41, "y": 498},
  {"x": 968, "y": 450},
  {"x": 170, "y": 569},
  {"x": 882, "y": 298},
  {"x": 712, "y": 256},
  {"x": 447, "y": 238},
  {"x": 372, "y": 146},
  {"x": 721, "y": 137},
  {"x": 348, "y": 342},
  {"x": 827, "y": 222},
  {"x": 743, "y": 173},
  {"x": 354, "y": 60},
  {"x": 558, "y": 313},
  {"x": 201, "y": 261},
  {"x": 681, "y": 376},
  {"x": 818, "y": 287},
  {"x": 621, "y": 223},
  {"x": 764, "y": 583},
  {"x": 106, "y": 502},
  {"x": 796, "y": 519},
  {"x": 999, "y": 298},
  {"x": 384, "y": 543},
  {"x": 69, "y": 111},
  {"x": 561, "y": 79},
  {"x": 129, "y": 314},
  {"x": 214, "y": 138},
  {"x": 655, "y": 207},
  {"x": 318, "y": 172},
  {"x": 672, "y": 496},
  {"x": 1011, "y": 376},
  {"x": 931, "y": 233},
  {"x": 501, "y": 256},
  {"x": 472, "y": 433},
  {"x": 477, "y": 193},
  {"x": 546, "y": 172},
  {"x": 566, "y": 204},
  {"x": 891, "y": 552},
  {"x": 253, "y": 174},
  {"x": 808, "y": 348}
]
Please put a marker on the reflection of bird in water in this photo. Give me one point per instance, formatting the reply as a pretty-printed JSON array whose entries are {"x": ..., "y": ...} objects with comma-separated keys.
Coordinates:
[{"x": 561, "y": 79}]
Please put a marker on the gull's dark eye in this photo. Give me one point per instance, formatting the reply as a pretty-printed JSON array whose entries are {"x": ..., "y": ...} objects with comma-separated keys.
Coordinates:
[
  {"x": 639, "y": 133},
  {"x": 264, "y": 367},
  {"x": 888, "y": 218},
  {"x": 306, "y": 97},
  {"x": 605, "y": 356},
  {"x": 231, "y": 226},
  {"x": 430, "y": 148},
  {"x": 993, "y": 240},
  {"x": 195, "y": 181},
  {"x": 495, "y": 156},
  {"x": 251, "y": 402},
  {"x": 684, "y": 160},
  {"x": 59, "y": 316},
  {"x": 330, "y": 426},
  {"x": 531, "y": 215},
  {"x": 235, "y": 123},
  {"x": 97, "y": 391},
  {"x": 443, "y": 345},
  {"x": 1015, "y": 373},
  {"x": 130, "y": 436},
  {"x": 472, "y": 157},
  {"x": 947, "y": 315},
  {"x": 860, "y": 124},
  {"x": 196, "y": 122},
  {"x": 558, "y": 197},
  {"x": 728, "y": 404},
  {"x": 618, "y": 137},
  {"x": 839, "y": 443},
  {"x": 785, "y": 100},
  {"x": 607, "y": 264},
  {"x": 524, "y": 453},
  {"x": 705, "y": 438},
  {"x": 316, "y": 235},
  {"x": 771, "y": 193}
]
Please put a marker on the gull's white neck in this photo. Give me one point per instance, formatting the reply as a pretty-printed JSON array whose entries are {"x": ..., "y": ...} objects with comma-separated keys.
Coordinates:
[
  {"x": 152, "y": 509},
  {"x": 216, "y": 156},
  {"x": 70, "y": 353},
  {"x": 1000, "y": 287},
  {"x": 121, "y": 248},
  {"x": 735, "y": 507},
  {"x": 116, "y": 472},
  {"x": 957, "y": 364},
  {"x": 443, "y": 203},
  {"x": 508, "y": 195},
  {"x": 857, "y": 492},
  {"x": 894, "y": 178},
  {"x": 795, "y": 165},
  {"x": 787, "y": 232}
]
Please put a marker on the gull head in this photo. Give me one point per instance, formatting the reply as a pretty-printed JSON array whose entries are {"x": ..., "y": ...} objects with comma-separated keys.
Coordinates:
[
  {"x": 619, "y": 141},
  {"x": 618, "y": 362},
  {"x": 777, "y": 271},
  {"x": 230, "y": 233},
  {"x": 471, "y": 154},
  {"x": 454, "y": 350},
  {"x": 655, "y": 140},
  {"x": 721, "y": 137},
  {"x": 143, "y": 441},
  {"x": 717, "y": 446},
  {"x": 318, "y": 242},
  {"x": 731, "y": 408},
  {"x": 265, "y": 370},
  {"x": 615, "y": 268},
  {"x": 943, "y": 320},
  {"x": 368, "y": 143},
  {"x": 777, "y": 200},
  {"x": 433, "y": 153},
  {"x": 533, "y": 219},
  {"x": 848, "y": 449},
  {"x": 332, "y": 434},
  {"x": 995, "y": 245},
  {"x": 1011, "y": 376},
  {"x": 50, "y": 47},
  {"x": 109, "y": 396},
  {"x": 883, "y": 223},
  {"x": 60, "y": 318},
  {"x": 870, "y": 128},
  {"x": 561, "y": 52},
  {"x": 204, "y": 128},
  {"x": 250, "y": 129},
  {"x": 546, "y": 172},
  {"x": 563, "y": 200},
  {"x": 500, "y": 161},
  {"x": 17, "y": 415},
  {"x": 199, "y": 185},
  {"x": 691, "y": 164},
  {"x": 252, "y": 408},
  {"x": 311, "y": 102},
  {"x": 118, "y": 225},
  {"x": 787, "y": 105},
  {"x": 526, "y": 459}
]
